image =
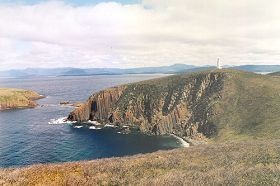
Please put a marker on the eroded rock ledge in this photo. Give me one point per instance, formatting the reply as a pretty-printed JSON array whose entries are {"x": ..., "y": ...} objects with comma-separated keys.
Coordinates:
[{"x": 180, "y": 105}]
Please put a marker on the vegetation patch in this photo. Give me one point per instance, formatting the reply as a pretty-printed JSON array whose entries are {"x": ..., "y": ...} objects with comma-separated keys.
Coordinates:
[
  {"x": 17, "y": 98},
  {"x": 231, "y": 163}
]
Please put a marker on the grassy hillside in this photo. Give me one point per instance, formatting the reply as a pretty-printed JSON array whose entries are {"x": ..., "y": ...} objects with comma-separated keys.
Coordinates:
[
  {"x": 218, "y": 104},
  {"x": 258, "y": 68},
  {"x": 249, "y": 107},
  {"x": 17, "y": 98},
  {"x": 242, "y": 163},
  {"x": 275, "y": 74}
]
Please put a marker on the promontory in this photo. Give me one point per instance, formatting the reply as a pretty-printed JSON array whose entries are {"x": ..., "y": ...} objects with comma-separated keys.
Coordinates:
[
  {"x": 237, "y": 112},
  {"x": 217, "y": 105},
  {"x": 11, "y": 98}
]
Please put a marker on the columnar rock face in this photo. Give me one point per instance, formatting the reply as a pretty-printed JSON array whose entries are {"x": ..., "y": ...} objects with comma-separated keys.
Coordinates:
[
  {"x": 180, "y": 105},
  {"x": 99, "y": 106}
]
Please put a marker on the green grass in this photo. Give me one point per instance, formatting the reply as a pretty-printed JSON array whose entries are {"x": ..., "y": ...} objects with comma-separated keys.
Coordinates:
[
  {"x": 231, "y": 163},
  {"x": 249, "y": 108}
]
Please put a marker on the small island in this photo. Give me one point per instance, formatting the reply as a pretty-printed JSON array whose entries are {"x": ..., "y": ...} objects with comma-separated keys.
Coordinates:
[{"x": 11, "y": 98}]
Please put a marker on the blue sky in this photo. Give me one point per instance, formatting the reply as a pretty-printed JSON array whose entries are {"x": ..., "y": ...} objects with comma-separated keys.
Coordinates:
[{"x": 72, "y": 2}]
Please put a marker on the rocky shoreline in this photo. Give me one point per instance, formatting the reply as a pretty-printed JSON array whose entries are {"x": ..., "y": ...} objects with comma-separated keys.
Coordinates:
[{"x": 125, "y": 129}]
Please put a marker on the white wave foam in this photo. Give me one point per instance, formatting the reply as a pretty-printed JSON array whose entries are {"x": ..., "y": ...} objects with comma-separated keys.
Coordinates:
[
  {"x": 66, "y": 106},
  {"x": 182, "y": 141},
  {"x": 93, "y": 122},
  {"x": 125, "y": 126},
  {"x": 77, "y": 127},
  {"x": 56, "y": 105},
  {"x": 94, "y": 128},
  {"x": 60, "y": 121},
  {"x": 109, "y": 125}
]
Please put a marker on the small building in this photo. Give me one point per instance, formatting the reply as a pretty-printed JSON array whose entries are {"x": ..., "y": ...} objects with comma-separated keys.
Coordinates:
[{"x": 219, "y": 64}]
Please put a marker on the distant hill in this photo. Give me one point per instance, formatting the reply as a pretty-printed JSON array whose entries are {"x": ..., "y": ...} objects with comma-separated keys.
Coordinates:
[
  {"x": 172, "y": 69},
  {"x": 258, "y": 68},
  {"x": 31, "y": 72},
  {"x": 164, "y": 69}
]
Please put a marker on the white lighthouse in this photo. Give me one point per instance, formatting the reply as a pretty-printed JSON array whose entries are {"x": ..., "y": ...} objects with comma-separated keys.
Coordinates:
[{"x": 219, "y": 64}]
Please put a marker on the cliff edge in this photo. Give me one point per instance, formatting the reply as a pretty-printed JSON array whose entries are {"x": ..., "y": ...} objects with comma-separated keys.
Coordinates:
[{"x": 218, "y": 104}]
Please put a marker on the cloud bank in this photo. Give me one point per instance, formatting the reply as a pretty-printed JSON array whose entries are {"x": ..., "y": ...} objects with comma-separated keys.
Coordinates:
[{"x": 151, "y": 33}]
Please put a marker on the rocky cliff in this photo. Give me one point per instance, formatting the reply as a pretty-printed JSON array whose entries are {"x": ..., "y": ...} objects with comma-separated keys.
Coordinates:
[
  {"x": 180, "y": 104},
  {"x": 17, "y": 98},
  {"x": 193, "y": 106}
]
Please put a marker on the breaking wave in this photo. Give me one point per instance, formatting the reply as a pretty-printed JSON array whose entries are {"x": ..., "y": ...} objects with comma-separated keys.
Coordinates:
[
  {"x": 60, "y": 121},
  {"x": 94, "y": 128},
  {"x": 182, "y": 141},
  {"x": 77, "y": 127}
]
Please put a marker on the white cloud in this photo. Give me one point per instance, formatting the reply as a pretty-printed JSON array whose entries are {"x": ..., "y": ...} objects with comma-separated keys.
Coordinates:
[{"x": 155, "y": 32}]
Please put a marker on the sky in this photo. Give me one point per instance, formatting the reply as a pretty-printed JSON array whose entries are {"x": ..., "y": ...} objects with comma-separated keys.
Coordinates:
[{"x": 137, "y": 33}]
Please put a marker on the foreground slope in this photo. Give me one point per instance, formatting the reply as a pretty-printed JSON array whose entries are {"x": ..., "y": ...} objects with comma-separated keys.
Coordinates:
[
  {"x": 17, "y": 98},
  {"x": 218, "y": 104},
  {"x": 242, "y": 163},
  {"x": 275, "y": 74}
]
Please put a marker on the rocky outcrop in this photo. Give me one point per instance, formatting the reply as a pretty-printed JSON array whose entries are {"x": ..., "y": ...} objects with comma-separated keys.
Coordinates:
[
  {"x": 17, "y": 98},
  {"x": 98, "y": 107},
  {"x": 180, "y": 105}
]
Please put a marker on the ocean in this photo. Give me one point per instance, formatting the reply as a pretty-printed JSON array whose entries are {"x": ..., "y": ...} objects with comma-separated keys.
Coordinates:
[{"x": 26, "y": 137}]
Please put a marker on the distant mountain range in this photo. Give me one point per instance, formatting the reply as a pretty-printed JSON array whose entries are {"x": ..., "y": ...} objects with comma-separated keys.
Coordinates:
[
  {"x": 68, "y": 71},
  {"x": 173, "y": 69}
]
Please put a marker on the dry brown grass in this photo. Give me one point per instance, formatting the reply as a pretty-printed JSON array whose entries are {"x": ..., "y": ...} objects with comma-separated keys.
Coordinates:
[
  {"x": 11, "y": 98},
  {"x": 232, "y": 163}
]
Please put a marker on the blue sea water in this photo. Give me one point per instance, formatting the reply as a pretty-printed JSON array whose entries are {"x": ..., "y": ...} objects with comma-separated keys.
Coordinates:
[{"x": 26, "y": 137}]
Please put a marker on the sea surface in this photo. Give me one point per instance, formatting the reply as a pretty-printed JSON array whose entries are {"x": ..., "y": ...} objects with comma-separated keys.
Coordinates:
[{"x": 26, "y": 137}]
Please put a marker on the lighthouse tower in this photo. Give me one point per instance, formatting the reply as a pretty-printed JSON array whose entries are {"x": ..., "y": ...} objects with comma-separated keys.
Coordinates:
[{"x": 219, "y": 64}]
